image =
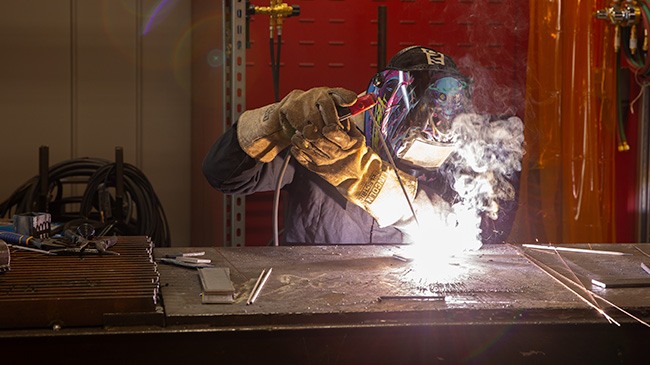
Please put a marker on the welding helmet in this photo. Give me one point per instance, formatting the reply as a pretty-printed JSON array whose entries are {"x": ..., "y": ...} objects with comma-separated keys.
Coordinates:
[{"x": 419, "y": 94}]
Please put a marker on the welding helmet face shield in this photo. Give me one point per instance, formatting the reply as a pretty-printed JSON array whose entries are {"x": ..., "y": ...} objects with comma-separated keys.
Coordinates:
[{"x": 416, "y": 107}]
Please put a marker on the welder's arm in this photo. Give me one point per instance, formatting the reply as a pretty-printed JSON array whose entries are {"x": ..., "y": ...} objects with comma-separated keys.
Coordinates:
[
  {"x": 338, "y": 153},
  {"x": 247, "y": 158},
  {"x": 230, "y": 170},
  {"x": 266, "y": 131}
]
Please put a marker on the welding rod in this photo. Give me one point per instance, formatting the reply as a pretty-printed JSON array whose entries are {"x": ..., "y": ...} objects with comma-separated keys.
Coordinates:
[
  {"x": 412, "y": 297},
  {"x": 184, "y": 264},
  {"x": 580, "y": 250},
  {"x": 402, "y": 258},
  {"x": 186, "y": 254},
  {"x": 645, "y": 267},
  {"x": 259, "y": 285},
  {"x": 31, "y": 249}
]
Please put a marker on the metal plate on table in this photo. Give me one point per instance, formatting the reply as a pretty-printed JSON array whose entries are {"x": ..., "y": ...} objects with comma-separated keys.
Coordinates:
[{"x": 342, "y": 284}]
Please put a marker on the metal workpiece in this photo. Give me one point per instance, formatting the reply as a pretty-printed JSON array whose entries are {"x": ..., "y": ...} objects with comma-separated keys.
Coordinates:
[{"x": 318, "y": 286}]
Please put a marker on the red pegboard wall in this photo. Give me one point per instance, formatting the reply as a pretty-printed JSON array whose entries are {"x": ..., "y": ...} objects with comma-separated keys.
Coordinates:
[{"x": 334, "y": 43}]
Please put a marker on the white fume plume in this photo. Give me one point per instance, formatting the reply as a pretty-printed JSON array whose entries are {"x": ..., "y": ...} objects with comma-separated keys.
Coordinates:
[{"x": 488, "y": 153}]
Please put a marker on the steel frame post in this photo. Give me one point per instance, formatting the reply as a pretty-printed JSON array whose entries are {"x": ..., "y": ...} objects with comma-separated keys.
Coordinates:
[
  {"x": 234, "y": 93},
  {"x": 642, "y": 233}
]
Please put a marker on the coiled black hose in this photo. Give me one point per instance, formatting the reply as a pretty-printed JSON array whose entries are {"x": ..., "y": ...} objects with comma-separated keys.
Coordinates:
[{"x": 144, "y": 212}]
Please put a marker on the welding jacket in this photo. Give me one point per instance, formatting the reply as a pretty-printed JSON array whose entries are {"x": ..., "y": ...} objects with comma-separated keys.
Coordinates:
[{"x": 316, "y": 212}]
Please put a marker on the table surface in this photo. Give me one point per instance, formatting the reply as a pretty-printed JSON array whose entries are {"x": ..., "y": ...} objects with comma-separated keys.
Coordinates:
[
  {"x": 321, "y": 305},
  {"x": 342, "y": 285}
]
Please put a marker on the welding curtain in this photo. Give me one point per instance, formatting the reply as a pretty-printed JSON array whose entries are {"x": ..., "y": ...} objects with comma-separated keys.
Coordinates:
[{"x": 567, "y": 185}]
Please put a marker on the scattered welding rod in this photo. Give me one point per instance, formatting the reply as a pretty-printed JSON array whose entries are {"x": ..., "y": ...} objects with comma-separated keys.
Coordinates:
[
  {"x": 197, "y": 265},
  {"x": 261, "y": 280},
  {"x": 621, "y": 283},
  {"x": 580, "y": 250},
  {"x": 402, "y": 258},
  {"x": 412, "y": 297},
  {"x": 186, "y": 254},
  {"x": 645, "y": 267},
  {"x": 254, "y": 290},
  {"x": 259, "y": 285},
  {"x": 31, "y": 249}
]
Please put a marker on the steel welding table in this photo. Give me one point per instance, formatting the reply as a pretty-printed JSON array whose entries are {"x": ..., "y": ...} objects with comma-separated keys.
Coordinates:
[{"x": 321, "y": 305}]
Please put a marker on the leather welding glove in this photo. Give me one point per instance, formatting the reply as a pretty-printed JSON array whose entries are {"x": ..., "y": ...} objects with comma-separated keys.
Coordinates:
[
  {"x": 338, "y": 154},
  {"x": 266, "y": 131}
]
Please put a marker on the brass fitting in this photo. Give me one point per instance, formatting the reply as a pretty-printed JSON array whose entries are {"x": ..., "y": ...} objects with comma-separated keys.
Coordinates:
[
  {"x": 626, "y": 14},
  {"x": 281, "y": 10},
  {"x": 277, "y": 11}
]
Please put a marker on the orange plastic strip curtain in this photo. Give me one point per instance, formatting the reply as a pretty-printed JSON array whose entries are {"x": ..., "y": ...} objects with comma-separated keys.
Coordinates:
[{"x": 567, "y": 181}]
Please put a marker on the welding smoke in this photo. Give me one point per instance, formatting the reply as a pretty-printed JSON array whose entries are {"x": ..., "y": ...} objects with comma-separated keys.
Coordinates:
[
  {"x": 481, "y": 170},
  {"x": 488, "y": 153}
]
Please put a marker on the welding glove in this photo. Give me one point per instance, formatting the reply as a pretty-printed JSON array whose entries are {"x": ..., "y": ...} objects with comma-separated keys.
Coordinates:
[
  {"x": 338, "y": 154},
  {"x": 266, "y": 131}
]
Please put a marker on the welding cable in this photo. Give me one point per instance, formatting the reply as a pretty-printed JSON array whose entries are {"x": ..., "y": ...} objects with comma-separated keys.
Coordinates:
[
  {"x": 9, "y": 206},
  {"x": 275, "y": 60},
  {"x": 273, "y": 74},
  {"x": 276, "y": 200},
  {"x": 638, "y": 62},
  {"x": 639, "y": 65},
  {"x": 25, "y": 198},
  {"x": 275, "y": 66},
  {"x": 276, "y": 87},
  {"x": 149, "y": 218},
  {"x": 275, "y": 71}
]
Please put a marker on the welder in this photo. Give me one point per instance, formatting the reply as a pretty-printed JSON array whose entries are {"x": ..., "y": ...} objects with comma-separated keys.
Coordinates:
[{"x": 341, "y": 183}]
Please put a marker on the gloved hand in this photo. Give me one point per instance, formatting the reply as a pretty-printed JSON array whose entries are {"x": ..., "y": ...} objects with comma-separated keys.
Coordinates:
[
  {"x": 338, "y": 154},
  {"x": 266, "y": 131}
]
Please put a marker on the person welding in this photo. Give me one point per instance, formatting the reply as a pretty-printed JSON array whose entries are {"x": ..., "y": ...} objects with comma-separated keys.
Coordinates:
[{"x": 378, "y": 176}]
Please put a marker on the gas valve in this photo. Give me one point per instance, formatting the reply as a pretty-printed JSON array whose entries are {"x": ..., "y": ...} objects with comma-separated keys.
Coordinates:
[
  {"x": 277, "y": 11},
  {"x": 622, "y": 14}
]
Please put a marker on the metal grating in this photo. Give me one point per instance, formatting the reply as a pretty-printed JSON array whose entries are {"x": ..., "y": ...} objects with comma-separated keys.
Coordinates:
[{"x": 67, "y": 291}]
